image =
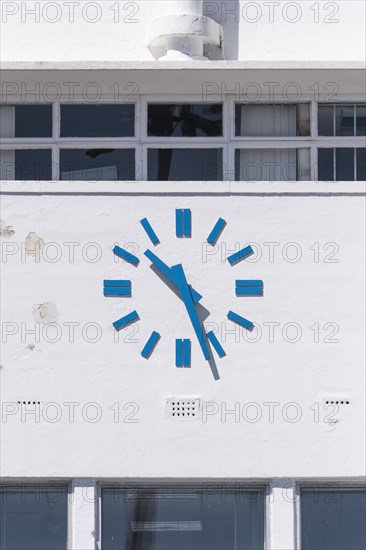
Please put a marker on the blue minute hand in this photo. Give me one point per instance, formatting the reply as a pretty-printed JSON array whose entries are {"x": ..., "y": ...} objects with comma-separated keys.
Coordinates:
[
  {"x": 168, "y": 273},
  {"x": 184, "y": 288}
]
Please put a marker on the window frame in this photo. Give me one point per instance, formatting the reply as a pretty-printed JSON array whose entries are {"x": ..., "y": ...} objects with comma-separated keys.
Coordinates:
[
  {"x": 26, "y": 486},
  {"x": 230, "y": 486},
  {"x": 311, "y": 486},
  {"x": 228, "y": 142}
]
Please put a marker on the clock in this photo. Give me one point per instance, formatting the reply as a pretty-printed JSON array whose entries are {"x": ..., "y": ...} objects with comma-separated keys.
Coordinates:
[{"x": 174, "y": 275}]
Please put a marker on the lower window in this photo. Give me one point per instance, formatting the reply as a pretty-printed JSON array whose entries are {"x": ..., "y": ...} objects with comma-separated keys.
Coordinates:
[
  {"x": 272, "y": 165},
  {"x": 342, "y": 164},
  {"x": 26, "y": 164},
  {"x": 184, "y": 164},
  {"x": 333, "y": 519},
  {"x": 182, "y": 518},
  {"x": 97, "y": 164},
  {"x": 33, "y": 519}
]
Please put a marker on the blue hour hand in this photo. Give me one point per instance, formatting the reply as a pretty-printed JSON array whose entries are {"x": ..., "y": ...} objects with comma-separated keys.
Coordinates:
[
  {"x": 168, "y": 273},
  {"x": 179, "y": 275}
]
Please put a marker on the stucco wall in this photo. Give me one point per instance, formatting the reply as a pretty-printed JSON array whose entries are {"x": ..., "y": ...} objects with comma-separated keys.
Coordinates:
[
  {"x": 107, "y": 30},
  {"x": 296, "y": 364}
]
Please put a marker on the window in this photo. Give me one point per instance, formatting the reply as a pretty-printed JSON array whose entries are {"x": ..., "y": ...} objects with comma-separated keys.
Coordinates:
[
  {"x": 342, "y": 164},
  {"x": 185, "y": 120},
  {"x": 92, "y": 121},
  {"x": 184, "y": 164},
  {"x": 182, "y": 518},
  {"x": 33, "y": 519},
  {"x": 26, "y": 164},
  {"x": 25, "y": 121},
  {"x": 272, "y": 164},
  {"x": 97, "y": 164},
  {"x": 272, "y": 120},
  {"x": 183, "y": 139},
  {"x": 333, "y": 519},
  {"x": 342, "y": 120}
]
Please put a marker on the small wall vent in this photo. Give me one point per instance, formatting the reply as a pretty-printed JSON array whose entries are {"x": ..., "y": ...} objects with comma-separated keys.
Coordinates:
[
  {"x": 183, "y": 408},
  {"x": 337, "y": 401}
]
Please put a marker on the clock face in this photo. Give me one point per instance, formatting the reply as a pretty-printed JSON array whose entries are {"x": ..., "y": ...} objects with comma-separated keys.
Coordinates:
[{"x": 174, "y": 276}]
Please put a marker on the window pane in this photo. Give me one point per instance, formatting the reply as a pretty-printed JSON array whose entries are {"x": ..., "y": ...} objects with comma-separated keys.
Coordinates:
[
  {"x": 184, "y": 120},
  {"x": 26, "y": 164},
  {"x": 182, "y": 519},
  {"x": 184, "y": 164},
  {"x": 333, "y": 520},
  {"x": 97, "y": 164},
  {"x": 93, "y": 121},
  {"x": 33, "y": 520},
  {"x": 272, "y": 164},
  {"x": 25, "y": 121},
  {"x": 345, "y": 164},
  {"x": 345, "y": 121},
  {"x": 361, "y": 120},
  {"x": 269, "y": 120},
  {"x": 326, "y": 120},
  {"x": 361, "y": 164},
  {"x": 326, "y": 164}
]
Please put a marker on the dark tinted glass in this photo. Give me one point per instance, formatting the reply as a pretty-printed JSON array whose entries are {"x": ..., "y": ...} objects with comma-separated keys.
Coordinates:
[
  {"x": 361, "y": 120},
  {"x": 333, "y": 520},
  {"x": 183, "y": 120},
  {"x": 361, "y": 164},
  {"x": 326, "y": 164},
  {"x": 33, "y": 121},
  {"x": 326, "y": 120},
  {"x": 33, "y": 164},
  {"x": 345, "y": 164},
  {"x": 182, "y": 519},
  {"x": 33, "y": 520},
  {"x": 97, "y": 121},
  {"x": 97, "y": 164},
  {"x": 345, "y": 120},
  {"x": 184, "y": 164}
]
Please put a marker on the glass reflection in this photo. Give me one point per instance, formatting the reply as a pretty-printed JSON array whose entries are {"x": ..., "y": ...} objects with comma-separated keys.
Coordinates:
[
  {"x": 185, "y": 120},
  {"x": 182, "y": 519}
]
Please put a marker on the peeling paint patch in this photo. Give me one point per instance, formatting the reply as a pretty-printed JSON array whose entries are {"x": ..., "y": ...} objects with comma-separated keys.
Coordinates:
[
  {"x": 45, "y": 313},
  {"x": 6, "y": 231},
  {"x": 33, "y": 244}
]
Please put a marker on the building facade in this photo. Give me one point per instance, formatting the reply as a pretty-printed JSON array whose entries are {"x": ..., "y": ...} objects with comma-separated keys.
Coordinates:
[{"x": 183, "y": 275}]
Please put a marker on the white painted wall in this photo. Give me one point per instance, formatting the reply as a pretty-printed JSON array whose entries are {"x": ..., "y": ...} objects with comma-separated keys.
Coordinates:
[
  {"x": 84, "y": 30},
  {"x": 305, "y": 372}
]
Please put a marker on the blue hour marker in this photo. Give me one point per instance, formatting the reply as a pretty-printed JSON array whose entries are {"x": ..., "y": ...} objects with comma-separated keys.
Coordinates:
[
  {"x": 249, "y": 288},
  {"x": 216, "y": 232},
  {"x": 117, "y": 288},
  {"x": 149, "y": 231},
  {"x": 130, "y": 258},
  {"x": 150, "y": 344},
  {"x": 182, "y": 353},
  {"x": 183, "y": 223},
  {"x": 126, "y": 320},
  {"x": 216, "y": 344},
  {"x": 241, "y": 255},
  {"x": 235, "y": 318}
]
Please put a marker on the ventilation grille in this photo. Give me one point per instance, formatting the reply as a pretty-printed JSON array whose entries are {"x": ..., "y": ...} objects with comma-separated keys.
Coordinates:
[
  {"x": 337, "y": 401},
  {"x": 183, "y": 408}
]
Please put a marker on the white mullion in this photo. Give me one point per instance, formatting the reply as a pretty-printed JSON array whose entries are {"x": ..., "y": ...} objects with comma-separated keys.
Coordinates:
[
  {"x": 281, "y": 514},
  {"x": 55, "y": 156},
  {"x": 84, "y": 504}
]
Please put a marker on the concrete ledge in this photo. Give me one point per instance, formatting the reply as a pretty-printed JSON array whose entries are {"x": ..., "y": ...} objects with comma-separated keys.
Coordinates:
[
  {"x": 174, "y": 65},
  {"x": 186, "y": 188}
]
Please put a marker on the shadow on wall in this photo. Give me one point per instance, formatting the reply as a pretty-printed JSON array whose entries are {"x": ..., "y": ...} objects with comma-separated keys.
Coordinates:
[{"x": 227, "y": 14}]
